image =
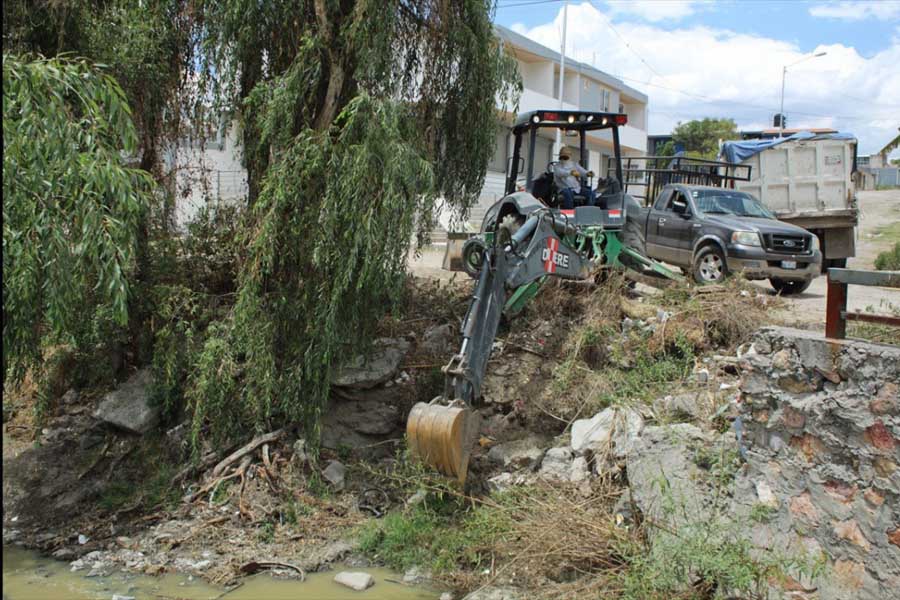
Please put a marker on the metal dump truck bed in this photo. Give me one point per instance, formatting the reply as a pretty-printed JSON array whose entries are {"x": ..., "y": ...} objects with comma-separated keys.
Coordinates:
[{"x": 806, "y": 180}]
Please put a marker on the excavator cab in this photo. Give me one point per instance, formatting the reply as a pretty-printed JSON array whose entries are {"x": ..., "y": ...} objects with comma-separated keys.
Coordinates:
[{"x": 586, "y": 126}]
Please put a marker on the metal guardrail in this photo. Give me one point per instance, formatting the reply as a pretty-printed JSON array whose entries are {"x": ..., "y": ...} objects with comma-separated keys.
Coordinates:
[{"x": 836, "y": 314}]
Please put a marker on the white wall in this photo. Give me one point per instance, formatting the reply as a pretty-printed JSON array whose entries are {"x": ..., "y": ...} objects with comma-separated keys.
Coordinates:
[{"x": 209, "y": 174}]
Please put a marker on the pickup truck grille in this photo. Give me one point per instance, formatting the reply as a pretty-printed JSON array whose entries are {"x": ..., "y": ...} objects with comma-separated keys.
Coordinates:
[{"x": 789, "y": 244}]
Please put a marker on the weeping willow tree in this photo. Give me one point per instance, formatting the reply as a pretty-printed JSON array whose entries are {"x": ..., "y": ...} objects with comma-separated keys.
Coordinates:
[
  {"x": 71, "y": 204},
  {"x": 358, "y": 116}
]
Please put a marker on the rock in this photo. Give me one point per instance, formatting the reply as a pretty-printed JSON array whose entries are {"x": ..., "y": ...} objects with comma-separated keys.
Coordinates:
[
  {"x": 64, "y": 554},
  {"x": 358, "y": 581},
  {"x": 701, "y": 375},
  {"x": 496, "y": 593},
  {"x": 518, "y": 453},
  {"x": 617, "y": 427},
  {"x": 366, "y": 417},
  {"x": 121, "y": 597},
  {"x": 557, "y": 464},
  {"x": 380, "y": 365},
  {"x": 334, "y": 473},
  {"x": 664, "y": 452},
  {"x": 129, "y": 407},
  {"x": 446, "y": 596},
  {"x": 765, "y": 494},
  {"x": 70, "y": 397},
  {"x": 439, "y": 339},
  {"x": 83, "y": 539},
  {"x": 681, "y": 406},
  {"x": 418, "y": 498},
  {"x": 416, "y": 576},
  {"x": 580, "y": 470}
]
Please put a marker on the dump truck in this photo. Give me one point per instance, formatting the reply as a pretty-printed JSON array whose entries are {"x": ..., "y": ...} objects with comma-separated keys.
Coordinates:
[{"x": 807, "y": 180}]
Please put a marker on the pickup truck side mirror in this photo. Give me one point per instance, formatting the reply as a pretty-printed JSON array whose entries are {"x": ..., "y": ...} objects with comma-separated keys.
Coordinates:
[{"x": 680, "y": 207}]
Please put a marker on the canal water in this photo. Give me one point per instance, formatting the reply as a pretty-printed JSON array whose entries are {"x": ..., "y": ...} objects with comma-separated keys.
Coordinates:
[{"x": 29, "y": 576}]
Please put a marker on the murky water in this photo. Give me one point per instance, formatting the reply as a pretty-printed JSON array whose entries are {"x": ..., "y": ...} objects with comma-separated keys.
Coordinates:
[{"x": 28, "y": 576}]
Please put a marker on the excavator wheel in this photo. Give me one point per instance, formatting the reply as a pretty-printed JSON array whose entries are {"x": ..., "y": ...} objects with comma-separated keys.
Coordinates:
[{"x": 442, "y": 437}]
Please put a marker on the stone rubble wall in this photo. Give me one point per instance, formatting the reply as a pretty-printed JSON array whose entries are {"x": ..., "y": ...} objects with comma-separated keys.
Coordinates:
[{"x": 821, "y": 427}]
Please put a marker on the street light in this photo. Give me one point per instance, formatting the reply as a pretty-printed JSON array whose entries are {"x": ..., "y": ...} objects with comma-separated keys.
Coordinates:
[{"x": 783, "y": 74}]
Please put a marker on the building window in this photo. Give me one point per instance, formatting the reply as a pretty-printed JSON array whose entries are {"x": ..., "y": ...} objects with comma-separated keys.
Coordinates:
[
  {"x": 621, "y": 108},
  {"x": 604, "y": 100}
]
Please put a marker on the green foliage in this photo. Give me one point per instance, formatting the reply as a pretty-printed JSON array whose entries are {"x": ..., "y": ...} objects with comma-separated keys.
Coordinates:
[
  {"x": 295, "y": 510},
  {"x": 701, "y": 137},
  {"x": 442, "y": 534},
  {"x": 145, "y": 480},
  {"x": 266, "y": 533},
  {"x": 71, "y": 206},
  {"x": 762, "y": 513},
  {"x": 889, "y": 260},
  {"x": 708, "y": 559}
]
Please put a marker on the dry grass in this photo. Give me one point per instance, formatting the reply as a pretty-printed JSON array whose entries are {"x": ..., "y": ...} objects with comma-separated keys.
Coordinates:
[
  {"x": 721, "y": 316},
  {"x": 566, "y": 545}
]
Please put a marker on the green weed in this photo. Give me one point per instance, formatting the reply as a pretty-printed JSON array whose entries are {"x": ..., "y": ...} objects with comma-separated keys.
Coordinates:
[
  {"x": 889, "y": 260},
  {"x": 762, "y": 513}
]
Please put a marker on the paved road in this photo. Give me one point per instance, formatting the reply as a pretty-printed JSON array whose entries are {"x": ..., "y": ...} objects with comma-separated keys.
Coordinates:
[{"x": 877, "y": 208}]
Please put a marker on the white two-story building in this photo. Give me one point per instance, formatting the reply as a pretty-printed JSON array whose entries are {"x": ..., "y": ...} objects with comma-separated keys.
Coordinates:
[{"x": 213, "y": 173}]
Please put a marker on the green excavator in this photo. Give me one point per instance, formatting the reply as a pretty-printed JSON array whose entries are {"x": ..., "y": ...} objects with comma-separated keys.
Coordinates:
[{"x": 525, "y": 239}]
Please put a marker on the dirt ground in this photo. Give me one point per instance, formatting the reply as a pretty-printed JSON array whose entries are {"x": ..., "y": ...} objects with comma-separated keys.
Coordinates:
[{"x": 877, "y": 209}]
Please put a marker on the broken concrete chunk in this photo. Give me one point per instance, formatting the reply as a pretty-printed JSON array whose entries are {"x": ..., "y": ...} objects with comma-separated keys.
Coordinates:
[
  {"x": 518, "y": 453},
  {"x": 557, "y": 464},
  {"x": 358, "y": 581},
  {"x": 379, "y": 366},
  {"x": 612, "y": 426},
  {"x": 334, "y": 473},
  {"x": 128, "y": 406}
]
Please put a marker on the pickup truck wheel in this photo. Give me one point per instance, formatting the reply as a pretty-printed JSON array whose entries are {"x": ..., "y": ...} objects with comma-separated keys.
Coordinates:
[
  {"x": 710, "y": 265},
  {"x": 789, "y": 287}
]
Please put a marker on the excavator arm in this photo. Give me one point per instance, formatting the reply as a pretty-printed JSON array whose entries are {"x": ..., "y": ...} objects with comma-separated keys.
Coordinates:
[{"x": 443, "y": 432}]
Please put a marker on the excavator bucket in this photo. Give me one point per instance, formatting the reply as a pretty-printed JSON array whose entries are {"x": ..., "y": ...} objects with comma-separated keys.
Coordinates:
[{"x": 442, "y": 437}]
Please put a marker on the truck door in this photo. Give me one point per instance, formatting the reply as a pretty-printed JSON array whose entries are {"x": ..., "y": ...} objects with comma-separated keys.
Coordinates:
[
  {"x": 681, "y": 227},
  {"x": 659, "y": 245}
]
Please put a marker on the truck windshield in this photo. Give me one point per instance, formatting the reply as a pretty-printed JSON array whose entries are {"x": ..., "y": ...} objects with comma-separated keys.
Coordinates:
[{"x": 727, "y": 202}]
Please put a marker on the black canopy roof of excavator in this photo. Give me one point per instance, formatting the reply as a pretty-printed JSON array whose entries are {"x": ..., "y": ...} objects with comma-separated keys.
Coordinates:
[{"x": 578, "y": 120}]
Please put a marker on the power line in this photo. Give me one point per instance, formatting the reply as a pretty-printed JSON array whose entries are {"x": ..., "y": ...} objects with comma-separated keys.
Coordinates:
[
  {"x": 627, "y": 45},
  {"x": 768, "y": 109}
]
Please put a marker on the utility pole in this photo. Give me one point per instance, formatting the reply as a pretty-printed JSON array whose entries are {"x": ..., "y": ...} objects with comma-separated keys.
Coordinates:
[
  {"x": 783, "y": 76},
  {"x": 562, "y": 76}
]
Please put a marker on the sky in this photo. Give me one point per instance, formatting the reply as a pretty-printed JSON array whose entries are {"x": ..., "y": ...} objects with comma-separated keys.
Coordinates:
[{"x": 725, "y": 58}]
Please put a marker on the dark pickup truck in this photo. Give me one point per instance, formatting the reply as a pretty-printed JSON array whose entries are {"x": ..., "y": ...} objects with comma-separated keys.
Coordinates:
[{"x": 711, "y": 231}]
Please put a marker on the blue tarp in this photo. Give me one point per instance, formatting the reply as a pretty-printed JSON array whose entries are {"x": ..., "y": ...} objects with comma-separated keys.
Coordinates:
[{"x": 740, "y": 150}]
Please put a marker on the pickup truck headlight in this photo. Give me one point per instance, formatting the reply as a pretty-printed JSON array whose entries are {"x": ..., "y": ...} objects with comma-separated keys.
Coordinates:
[
  {"x": 746, "y": 238},
  {"x": 815, "y": 243}
]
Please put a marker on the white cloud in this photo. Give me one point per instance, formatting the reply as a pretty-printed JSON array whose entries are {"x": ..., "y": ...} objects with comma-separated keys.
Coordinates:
[
  {"x": 707, "y": 72},
  {"x": 653, "y": 10},
  {"x": 519, "y": 28},
  {"x": 857, "y": 11}
]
